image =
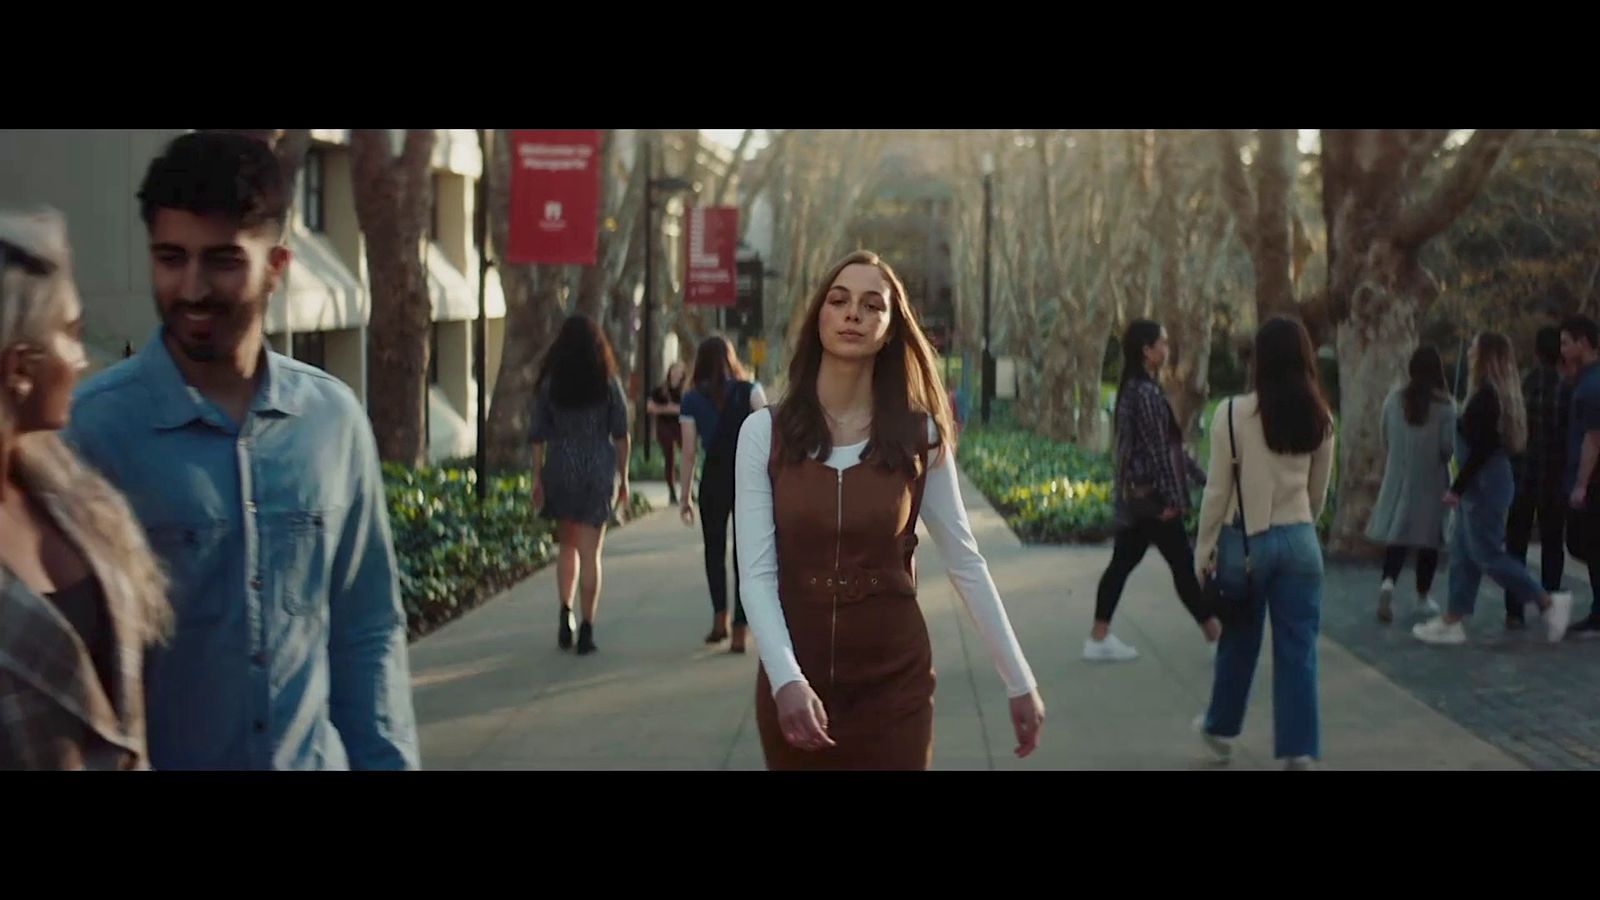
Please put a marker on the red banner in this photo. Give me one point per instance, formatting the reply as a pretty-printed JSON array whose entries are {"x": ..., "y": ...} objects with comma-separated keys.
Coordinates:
[
  {"x": 555, "y": 197},
  {"x": 713, "y": 241}
]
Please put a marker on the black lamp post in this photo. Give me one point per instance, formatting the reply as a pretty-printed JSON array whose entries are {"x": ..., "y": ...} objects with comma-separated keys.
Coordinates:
[{"x": 670, "y": 186}]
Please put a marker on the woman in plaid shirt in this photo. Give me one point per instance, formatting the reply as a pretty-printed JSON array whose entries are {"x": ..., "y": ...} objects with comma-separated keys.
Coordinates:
[
  {"x": 80, "y": 592},
  {"x": 1154, "y": 473}
]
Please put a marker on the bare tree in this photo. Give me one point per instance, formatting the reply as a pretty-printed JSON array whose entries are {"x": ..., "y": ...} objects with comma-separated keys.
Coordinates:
[
  {"x": 1382, "y": 203},
  {"x": 1265, "y": 217},
  {"x": 394, "y": 196}
]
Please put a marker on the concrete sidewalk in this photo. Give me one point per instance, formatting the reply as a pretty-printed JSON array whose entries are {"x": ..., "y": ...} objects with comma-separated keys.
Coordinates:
[{"x": 494, "y": 692}]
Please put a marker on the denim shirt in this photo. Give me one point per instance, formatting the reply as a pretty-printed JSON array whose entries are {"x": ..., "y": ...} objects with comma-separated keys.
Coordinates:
[{"x": 290, "y": 649}]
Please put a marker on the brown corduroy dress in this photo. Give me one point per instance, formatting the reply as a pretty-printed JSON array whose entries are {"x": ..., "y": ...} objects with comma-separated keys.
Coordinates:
[{"x": 848, "y": 588}]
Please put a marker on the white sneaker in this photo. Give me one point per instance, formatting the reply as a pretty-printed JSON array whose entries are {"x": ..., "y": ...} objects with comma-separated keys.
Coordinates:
[
  {"x": 1437, "y": 631},
  {"x": 1299, "y": 764},
  {"x": 1112, "y": 649},
  {"x": 1559, "y": 616},
  {"x": 1428, "y": 608},
  {"x": 1220, "y": 747},
  {"x": 1385, "y": 600}
]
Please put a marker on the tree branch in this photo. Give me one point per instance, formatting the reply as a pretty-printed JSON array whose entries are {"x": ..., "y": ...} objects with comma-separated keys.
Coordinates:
[
  {"x": 1434, "y": 213},
  {"x": 720, "y": 198},
  {"x": 1235, "y": 188}
]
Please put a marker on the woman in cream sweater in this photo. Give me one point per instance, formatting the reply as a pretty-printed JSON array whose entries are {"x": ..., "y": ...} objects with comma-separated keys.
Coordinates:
[{"x": 1284, "y": 433}]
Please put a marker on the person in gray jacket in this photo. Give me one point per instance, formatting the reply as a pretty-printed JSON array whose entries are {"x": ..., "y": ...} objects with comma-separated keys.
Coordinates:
[{"x": 1418, "y": 422}]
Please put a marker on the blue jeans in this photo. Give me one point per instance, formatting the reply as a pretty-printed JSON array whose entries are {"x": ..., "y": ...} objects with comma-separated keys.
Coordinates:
[
  {"x": 1478, "y": 546},
  {"x": 1287, "y": 579}
]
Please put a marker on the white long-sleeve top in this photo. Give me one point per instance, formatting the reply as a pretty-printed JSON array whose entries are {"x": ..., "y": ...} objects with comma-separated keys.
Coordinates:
[{"x": 943, "y": 513}]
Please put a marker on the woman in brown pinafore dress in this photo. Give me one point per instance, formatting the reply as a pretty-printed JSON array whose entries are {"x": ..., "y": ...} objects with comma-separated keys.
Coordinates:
[
  {"x": 831, "y": 486},
  {"x": 856, "y": 625}
]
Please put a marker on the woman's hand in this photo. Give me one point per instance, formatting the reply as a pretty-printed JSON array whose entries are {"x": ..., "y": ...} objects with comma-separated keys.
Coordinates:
[
  {"x": 802, "y": 717},
  {"x": 1027, "y": 718}
]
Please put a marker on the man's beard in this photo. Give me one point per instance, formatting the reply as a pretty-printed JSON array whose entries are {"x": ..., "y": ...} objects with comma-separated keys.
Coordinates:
[{"x": 227, "y": 326}]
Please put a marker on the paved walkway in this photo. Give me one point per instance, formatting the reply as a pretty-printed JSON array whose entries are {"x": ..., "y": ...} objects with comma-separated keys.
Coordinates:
[{"x": 494, "y": 692}]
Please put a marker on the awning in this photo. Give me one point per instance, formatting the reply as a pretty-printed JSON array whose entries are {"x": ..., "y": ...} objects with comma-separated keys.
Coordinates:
[
  {"x": 322, "y": 293},
  {"x": 454, "y": 296}
]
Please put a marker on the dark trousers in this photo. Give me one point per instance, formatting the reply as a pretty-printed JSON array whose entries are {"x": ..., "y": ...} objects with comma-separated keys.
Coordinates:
[
  {"x": 1394, "y": 559},
  {"x": 716, "y": 515},
  {"x": 1583, "y": 539},
  {"x": 1131, "y": 544},
  {"x": 1550, "y": 513},
  {"x": 669, "y": 441}
]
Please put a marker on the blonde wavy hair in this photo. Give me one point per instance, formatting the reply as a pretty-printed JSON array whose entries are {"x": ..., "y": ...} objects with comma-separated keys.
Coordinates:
[
  {"x": 1494, "y": 363},
  {"x": 36, "y": 285}
]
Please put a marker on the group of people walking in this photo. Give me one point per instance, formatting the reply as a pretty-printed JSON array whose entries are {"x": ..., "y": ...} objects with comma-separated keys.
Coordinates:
[
  {"x": 1525, "y": 451},
  {"x": 1256, "y": 543},
  {"x": 198, "y": 571},
  {"x": 1524, "y": 454},
  {"x": 824, "y": 493}
]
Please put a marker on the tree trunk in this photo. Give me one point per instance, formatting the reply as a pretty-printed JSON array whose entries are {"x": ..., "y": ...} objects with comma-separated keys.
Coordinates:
[
  {"x": 1271, "y": 253},
  {"x": 532, "y": 313},
  {"x": 1263, "y": 216},
  {"x": 393, "y": 199},
  {"x": 1377, "y": 289}
]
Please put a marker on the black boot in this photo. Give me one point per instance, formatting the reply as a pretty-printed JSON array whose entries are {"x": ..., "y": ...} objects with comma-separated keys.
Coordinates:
[
  {"x": 564, "y": 640},
  {"x": 586, "y": 638}
]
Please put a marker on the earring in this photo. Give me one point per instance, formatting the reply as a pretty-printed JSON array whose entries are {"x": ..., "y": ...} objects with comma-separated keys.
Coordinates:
[{"x": 21, "y": 388}]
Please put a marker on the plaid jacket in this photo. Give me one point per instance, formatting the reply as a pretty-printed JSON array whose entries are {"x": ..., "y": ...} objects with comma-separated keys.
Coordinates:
[
  {"x": 1544, "y": 463},
  {"x": 1150, "y": 448},
  {"x": 54, "y": 712}
]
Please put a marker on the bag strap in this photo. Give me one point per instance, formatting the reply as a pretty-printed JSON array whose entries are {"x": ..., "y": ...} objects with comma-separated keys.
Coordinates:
[{"x": 1238, "y": 486}]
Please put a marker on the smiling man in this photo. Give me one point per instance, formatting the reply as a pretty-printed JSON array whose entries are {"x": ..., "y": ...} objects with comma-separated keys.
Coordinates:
[{"x": 256, "y": 478}]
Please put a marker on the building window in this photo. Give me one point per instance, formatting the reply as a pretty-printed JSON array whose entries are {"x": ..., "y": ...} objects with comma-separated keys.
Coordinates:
[
  {"x": 433, "y": 353},
  {"x": 312, "y": 211},
  {"x": 433, "y": 225},
  {"x": 311, "y": 347}
]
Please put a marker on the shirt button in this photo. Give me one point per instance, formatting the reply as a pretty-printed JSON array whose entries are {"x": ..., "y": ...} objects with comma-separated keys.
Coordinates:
[
  {"x": 260, "y": 726},
  {"x": 256, "y": 582},
  {"x": 250, "y": 507}
]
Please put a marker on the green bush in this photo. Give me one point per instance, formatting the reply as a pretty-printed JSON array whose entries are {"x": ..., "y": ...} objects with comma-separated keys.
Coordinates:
[
  {"x": 640, "y": 469},
  {"x": 1049, "y": 492},
  {"x": 454, "y": 552},
  {"x": 1055, "y": 493}
]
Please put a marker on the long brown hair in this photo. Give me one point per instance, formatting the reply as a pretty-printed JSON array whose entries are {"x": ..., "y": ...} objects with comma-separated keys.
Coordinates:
[
  {"x": 1295, "y": 418},
  {"x": 1494, "y": 365},
  {"x": 579, "y": 364},
  {"x": 906, "y": 388},
  {"x": 1426, "y": 386},
  {"x": 715, "y": 367}
]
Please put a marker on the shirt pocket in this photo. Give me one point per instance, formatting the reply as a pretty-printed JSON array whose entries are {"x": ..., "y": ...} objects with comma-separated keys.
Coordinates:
[
  {"x": 191, "y": 553},
  {"x": 295, "y": 545}
]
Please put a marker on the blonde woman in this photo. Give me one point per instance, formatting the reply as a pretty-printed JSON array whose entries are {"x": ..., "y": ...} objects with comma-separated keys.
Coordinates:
[
  {"x": 1493, "y": 428},
  {"x": 80, "y": 593}
]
